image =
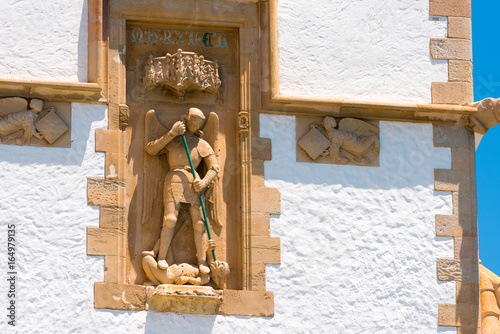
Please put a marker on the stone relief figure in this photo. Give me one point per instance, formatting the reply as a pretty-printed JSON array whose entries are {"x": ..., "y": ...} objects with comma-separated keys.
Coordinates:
[
  {"x": 488, "y": 115},
  {"x": 354, "y": 141},
  {"x": 182, "y": 73},
  {"x": 19, "y": 126},
  {"x": 184, "y": 273},
  {"x": 181, "y": 191}
]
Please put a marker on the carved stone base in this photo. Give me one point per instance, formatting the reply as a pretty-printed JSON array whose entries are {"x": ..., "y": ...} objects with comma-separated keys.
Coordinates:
[{"x": 184, "y": 299}]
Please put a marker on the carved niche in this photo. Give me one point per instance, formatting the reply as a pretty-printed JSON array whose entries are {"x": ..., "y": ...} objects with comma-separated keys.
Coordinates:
[
  {"x": 184, "y": 220},
  {"x": 348, "y": 141},
  {"x": 23, "y": 123}
]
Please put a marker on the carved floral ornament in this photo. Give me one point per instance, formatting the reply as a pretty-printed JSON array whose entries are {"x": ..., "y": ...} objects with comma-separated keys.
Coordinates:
[{"x": 182, "y": 73}]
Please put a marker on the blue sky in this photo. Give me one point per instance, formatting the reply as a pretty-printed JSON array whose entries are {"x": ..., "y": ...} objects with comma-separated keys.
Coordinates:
[{"x": 486, "y": 49}]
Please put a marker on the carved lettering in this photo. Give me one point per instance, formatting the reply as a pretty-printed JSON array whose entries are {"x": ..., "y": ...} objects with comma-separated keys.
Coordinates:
[
  {"x": 222, "y": 41},
  {"x": 167, "y": 34},
  {"x": 172, "y": 36},
  {"x": 152, "y": 36},
  {"x": 137, "y": 35},
  {"x": 193, "y": 38},
  {"x": 207, "y": 39},
  {"x": 180, "y": 41}
]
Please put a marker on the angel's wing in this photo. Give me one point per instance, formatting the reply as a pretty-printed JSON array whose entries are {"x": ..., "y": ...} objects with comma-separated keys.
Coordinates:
[
  {"x": 358, "y": 127},
  {"x": 12, "y": 104},
  {"x": 211, "y": 134},
  {"x": 155, "y": 169}
]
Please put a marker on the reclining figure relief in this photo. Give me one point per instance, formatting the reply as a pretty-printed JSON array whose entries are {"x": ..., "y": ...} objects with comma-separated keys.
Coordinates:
[
  {"x": 352, "y": 142},
  {"x": 18, "y": 123}
]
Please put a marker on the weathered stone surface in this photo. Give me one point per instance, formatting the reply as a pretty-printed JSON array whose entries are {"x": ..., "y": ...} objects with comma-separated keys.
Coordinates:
[
  {"x": 459, "y": 27},
  {"x": 102, "y": 192},
  {"x": 266, "y": 250},
  {"x": 261, "y": 149},
  {"x": 102, "y": 241},
  {"x": 119, "y": 296},
  {"x": 457, "y": 315},
  {"x": 456, "y": 270},
  {"x": 451, "y": 48},
  {"x": 266, "y": 200},
  {"x": 247, "y": 303},
  {"x": 452, "y": 136},
  {"x": 460, "y": 8},
  {"x": 452, "y": 92},
  {"x": 184, "y": 299},
  {"x": 460, "y": 70},
  {"x": 108, "y": 140}
]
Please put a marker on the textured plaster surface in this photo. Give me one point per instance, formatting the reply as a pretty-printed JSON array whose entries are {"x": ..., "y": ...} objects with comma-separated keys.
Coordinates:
[
  {"x": 362, "y": 50},
  {"x": 44, "y": 40},
  {"x": 358, "y": 247}
]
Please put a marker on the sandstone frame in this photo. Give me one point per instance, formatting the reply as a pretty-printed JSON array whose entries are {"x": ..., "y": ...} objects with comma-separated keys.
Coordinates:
[{"x": 257, "y": 202}]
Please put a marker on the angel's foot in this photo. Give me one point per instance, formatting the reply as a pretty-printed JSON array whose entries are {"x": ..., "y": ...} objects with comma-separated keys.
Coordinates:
[
  {"x": 146, "y": 253},
  {"x": 204, "y": 269},
  {"x": 162, "y": 264}
]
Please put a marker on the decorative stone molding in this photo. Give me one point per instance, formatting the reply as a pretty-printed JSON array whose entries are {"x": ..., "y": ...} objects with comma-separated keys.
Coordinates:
[
  {"x": 461, "y": 225},
  {"x": 182, "y": 73}
]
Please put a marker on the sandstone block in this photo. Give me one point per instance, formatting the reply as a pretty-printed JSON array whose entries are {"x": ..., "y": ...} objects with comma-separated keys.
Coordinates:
[
  {"x": 247, "y": 303},
  {"x": 460, "y": 70},
  {"x": 451, "y": 48},
  {"x": 119, "y": 296},
  {"x": 460, "y": 27},
  {"x": 456, "y": 270},
  {"x": 452, "y": 92},
  {"x": 459, "y": 8}
]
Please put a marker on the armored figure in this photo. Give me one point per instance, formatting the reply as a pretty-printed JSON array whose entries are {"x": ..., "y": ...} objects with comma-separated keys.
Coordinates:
[{"x": 180, "y": 186}]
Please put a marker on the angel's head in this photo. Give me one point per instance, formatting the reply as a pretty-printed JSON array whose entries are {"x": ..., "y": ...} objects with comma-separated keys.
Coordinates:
[
  {"x": 329, "y": 123},
  {"x": 195, "y": 119},
  {"x": 36, "y": 105}
]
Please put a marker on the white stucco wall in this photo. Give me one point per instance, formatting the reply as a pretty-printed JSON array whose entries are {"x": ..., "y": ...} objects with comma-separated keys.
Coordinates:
[
  {"x": 44, "y": 40},
  {"x": 360, "y": 50},
  {"x": 358, "y": 244}
]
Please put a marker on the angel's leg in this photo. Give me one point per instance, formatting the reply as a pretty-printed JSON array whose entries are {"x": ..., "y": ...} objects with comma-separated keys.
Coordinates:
[
  {"x": 200, "y": 239},
  {"x": 167, "y": 232}
]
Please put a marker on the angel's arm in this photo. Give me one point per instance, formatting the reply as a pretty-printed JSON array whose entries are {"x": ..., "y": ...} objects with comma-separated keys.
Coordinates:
[
  {"x": 213, "y": 170},
  {"x": 154, "y": 147}
]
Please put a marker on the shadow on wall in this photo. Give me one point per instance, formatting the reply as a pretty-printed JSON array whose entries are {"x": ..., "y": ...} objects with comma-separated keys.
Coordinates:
[
  {"x": 81, "y": 129},
  {"x": 178, "y": 323},
  {"x": 83, "y": 44}
]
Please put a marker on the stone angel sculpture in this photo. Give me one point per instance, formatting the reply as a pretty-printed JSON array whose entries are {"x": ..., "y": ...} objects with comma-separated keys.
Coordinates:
[
  {"x": 354, "y": 141},
  {"x": 18, "y": 123},
  {"x": 172, "y": 180}
]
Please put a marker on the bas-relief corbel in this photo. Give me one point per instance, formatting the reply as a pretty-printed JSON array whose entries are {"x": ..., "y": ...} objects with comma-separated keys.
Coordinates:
[
  {"x": 349, "y": 141},
  {"x": 23, "y": 123}
]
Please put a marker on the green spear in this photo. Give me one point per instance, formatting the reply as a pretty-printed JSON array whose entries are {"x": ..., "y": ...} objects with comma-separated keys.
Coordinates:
[{"x": 205, "y": 220}]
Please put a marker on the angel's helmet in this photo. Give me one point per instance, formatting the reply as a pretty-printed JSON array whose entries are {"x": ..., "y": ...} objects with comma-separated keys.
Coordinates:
[
  {"x": 219, "y": 271},
  {"x": 36, "y": 105},
  {"x": 329, "y": 123},
  {"x": 195, "y": 119}
]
